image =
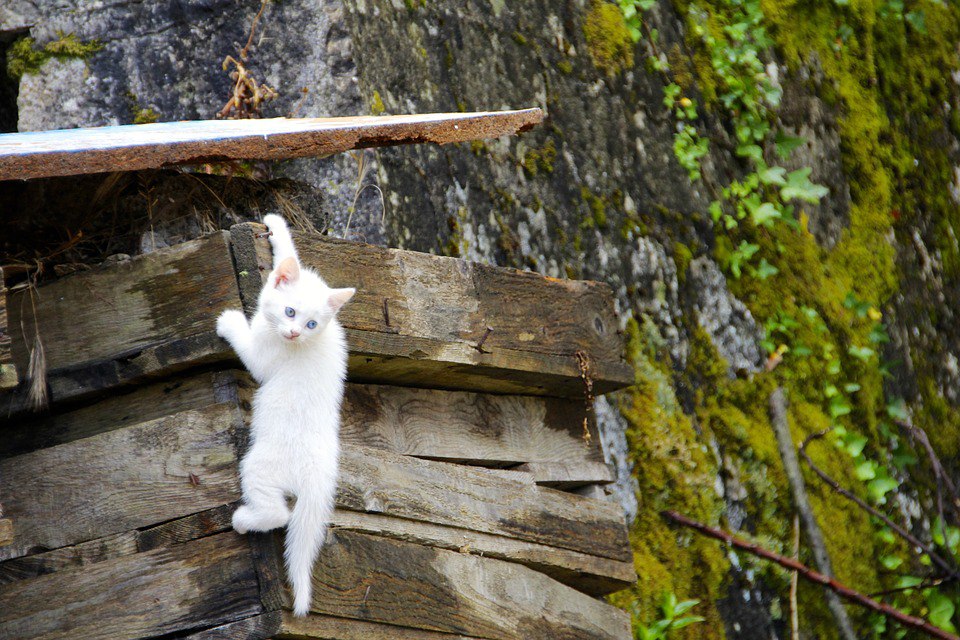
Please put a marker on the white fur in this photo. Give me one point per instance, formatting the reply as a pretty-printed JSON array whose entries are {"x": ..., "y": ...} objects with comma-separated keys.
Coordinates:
[{"x": 294, "y": 435}]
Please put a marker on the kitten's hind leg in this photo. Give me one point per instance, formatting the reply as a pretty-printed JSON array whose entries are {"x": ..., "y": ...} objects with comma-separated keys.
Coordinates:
[
  {"x": 280, "y": 239},
  {"x": 264, "y": 504}
]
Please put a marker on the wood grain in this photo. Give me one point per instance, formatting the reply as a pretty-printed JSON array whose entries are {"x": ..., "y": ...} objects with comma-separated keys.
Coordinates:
[
  {"x": 471, "y": 498},
  {"x": 8, "y": 370},
  {"x": 78, "y": 555},
  {"x": 379, "y": 580},
  {"x": 265, "y": 625},
  {"x": 121, "y": 480},
  {"x": 118, "y": 410},
  {"x": 204, "y": 583},
  {"x": 587, "y": 573},
  {"x": 321, "y": 627},
  {"x": 125, "y": 323},
  {"x": 149, "y": 146},
  {"x": 437, "y": 313},
  {"x": 6, "y": 531}
]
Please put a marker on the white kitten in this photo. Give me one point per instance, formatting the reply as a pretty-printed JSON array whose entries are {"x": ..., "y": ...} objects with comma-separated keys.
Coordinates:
[{"x": 296, "y": 350}]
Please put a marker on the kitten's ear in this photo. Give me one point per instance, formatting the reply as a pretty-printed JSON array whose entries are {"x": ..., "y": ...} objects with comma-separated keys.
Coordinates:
[
  {"x": 288, "y": 272},
  {"x": 339, "y": 297}
]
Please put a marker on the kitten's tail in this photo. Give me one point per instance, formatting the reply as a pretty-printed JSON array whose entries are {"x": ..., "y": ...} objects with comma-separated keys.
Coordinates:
[
  {"x": 280, "y": 239},
  {"x": 306, "y": 532}
]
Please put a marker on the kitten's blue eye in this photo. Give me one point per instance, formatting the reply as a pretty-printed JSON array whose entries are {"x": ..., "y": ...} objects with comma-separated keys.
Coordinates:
[
  {"x": 312, "y": 324},
  {"x": 290, "y": 312}
]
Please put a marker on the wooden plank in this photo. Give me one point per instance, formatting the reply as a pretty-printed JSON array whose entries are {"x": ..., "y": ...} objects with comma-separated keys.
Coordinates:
[
  {"x": 149, "y": 146},
  {"x": 408, "y": 585},
  {"x": 568, "y": 475},
  {"x": 590, "y": 574},
  {"x": 203, "y": 583},
  {"x": 121, "y": 480},
  {"x": 265, "y": 625},
  {"x": 118, "y": 410},
  {"x": 377, "y": 481},
  {"x": 8, "y": 370},
  {"x": 421, "y": 320},
  {"x": 320, "y": 627},
  {"x": 78, "y": 555},
  {"x": 6, "y": 531},
  {"x": 122, "y": 324}
]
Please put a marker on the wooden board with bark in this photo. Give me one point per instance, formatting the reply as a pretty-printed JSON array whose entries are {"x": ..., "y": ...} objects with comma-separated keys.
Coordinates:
[{"x": 65, "y": 152}]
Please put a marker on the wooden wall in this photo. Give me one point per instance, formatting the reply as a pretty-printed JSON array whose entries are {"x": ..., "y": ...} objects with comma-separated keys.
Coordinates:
[{"x": 470, "y": 500}]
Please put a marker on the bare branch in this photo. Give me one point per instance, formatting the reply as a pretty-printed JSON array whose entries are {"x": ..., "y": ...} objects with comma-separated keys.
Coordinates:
[{"x": 809, "y": 574}]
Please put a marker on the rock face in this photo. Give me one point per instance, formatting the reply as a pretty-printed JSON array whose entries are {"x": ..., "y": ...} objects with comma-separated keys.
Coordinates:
[{"x": 596, "y": 192}]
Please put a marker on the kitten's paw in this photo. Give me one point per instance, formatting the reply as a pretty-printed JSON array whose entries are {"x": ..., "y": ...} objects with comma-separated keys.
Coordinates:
[
  {"x": 231, "y": 323},
  {"x": 241, "y": 518},
  {"x": 274, "y": 223}
]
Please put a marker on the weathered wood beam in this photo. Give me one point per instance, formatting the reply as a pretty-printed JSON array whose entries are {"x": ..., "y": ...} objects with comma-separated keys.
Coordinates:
[
  {"x": 321, "y": 627},
  {"x": 376, "y": 481},
  {"x": 122, "y": 324},
  {"x": 203, "y": 583},
  {"x": 150, "y": 146},
  {"x": 387, "y": 581},
  {"x": 8, "y": 370},
  {"x": 6, "y": 531},
  {"x": 259, "y": 627},
  {"x": 590, "y": 574},
  {"x": 426, "y": 320},
  {"x": 122, "y": 480}
]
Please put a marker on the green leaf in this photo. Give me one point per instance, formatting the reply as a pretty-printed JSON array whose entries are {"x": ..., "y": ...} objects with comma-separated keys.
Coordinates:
[
  {"x": 917, "y": 20},
  {"x": 772, "y": 175},
  {"x": 878, "y": 488},
  {"x": 897, "y": 409},
  {"x": 839, "y": 407},
  {"x": 907, "y": 582},
  {"x": 716, "y": 211},
  {"x": 851, "y": 387},
  {"x": 941, "y": 610},
  {"x": 891, "y": 562},
  {"x": 833, "y": 367},
  {"x": 685, "y": 606},
  {"x": 855, "y": 443},
  {"x": 866, "y": 470},
  {"x": 861, "y": 353},
  {"x": 830, "y": 390},
  {"x": 751, "y": 151},
  {"x": 680, "y": 623},
  {"x": 766, "y": 270},
  {"x": 785, "y": 145},
  {"x": 765, "y": 214},
  {"x": 798, "y": 186}
]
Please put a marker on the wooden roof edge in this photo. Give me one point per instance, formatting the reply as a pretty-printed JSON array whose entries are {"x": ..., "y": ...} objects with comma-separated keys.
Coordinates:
[{"x": 65, "y": 152}]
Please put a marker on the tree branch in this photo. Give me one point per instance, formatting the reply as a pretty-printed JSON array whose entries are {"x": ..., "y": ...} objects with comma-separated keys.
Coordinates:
[
  {"x": 943, "y": 564},
  {"x": 809, "y": 574}
]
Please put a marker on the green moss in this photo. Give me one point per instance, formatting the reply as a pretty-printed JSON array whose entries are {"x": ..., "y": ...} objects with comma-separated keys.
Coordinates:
[
  {"x": 674, "y": 470},
  {"x": 376, "y": 104},
  {"x": 519, "y": 38},
  {"x": 682, "y": 256},
  {"x": 542, "y": 159},
  {"x": 565, "y": 67},
  {"x": 456, "y": 245},
  {"x": 597, "y": 207},
  {"x": 477, "y": 147},
  {"x": 25, "y": 57},
  {"x": 608, "y": 39}
]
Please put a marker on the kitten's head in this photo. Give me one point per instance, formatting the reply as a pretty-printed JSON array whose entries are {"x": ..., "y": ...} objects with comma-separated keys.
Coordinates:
[{"x": 297, "y": 304}]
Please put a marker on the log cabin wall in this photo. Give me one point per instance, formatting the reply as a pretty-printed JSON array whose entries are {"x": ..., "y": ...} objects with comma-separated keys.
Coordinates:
[{"x": 470, "y": 502}]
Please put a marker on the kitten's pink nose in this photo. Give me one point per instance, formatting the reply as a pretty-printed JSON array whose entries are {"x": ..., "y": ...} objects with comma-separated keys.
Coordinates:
[{"x": 294, "y": 334}]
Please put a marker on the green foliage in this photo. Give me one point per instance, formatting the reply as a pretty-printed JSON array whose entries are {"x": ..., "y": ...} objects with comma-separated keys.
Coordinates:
[{"x": 673, "y": 619}]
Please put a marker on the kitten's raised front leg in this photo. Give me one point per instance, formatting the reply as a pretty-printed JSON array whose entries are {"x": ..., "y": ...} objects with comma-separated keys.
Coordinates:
[
  {"x": 233, "y": 327},
  {"x": 280, "y": 240}
]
